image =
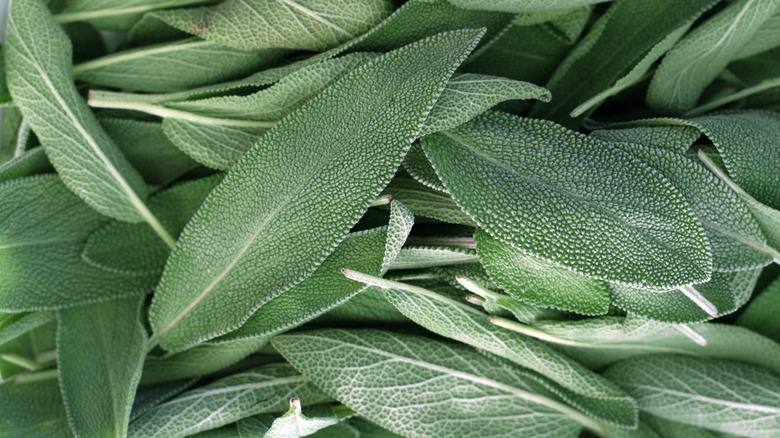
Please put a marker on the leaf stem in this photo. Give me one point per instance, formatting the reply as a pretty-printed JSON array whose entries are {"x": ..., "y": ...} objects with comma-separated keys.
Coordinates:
[
  {"x": 70, "y": 17},
  {"x": 382, "y": 200},
  {"x": 699, "y": 299},
  {"x": 37, "y": 377},
  {"x": 457, "y": 242},
  {"x": 100, "y": 100},
  {"x": 21, "y": 361},
  {"x": 715, "y": 103},
  {"x": 691, "y": 334}
]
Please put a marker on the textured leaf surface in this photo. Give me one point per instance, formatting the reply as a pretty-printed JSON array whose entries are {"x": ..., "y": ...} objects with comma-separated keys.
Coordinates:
[
  {"x": 673, "y": 138},
  {"x": 147, "y": 397},
  {"x": 715, "y": 394},
  {"x": 426, "y": 202},
  {"x": 33, "y": 409},
  {"x": 42, "y": 232},
  {"x": 24, "y": 324},
  {"x": 522, "y": 6},
  {"x": 196, "y": 63},
  {"x": 250, "y": 216},
  {"x": 32, "y": 162},
  {"x": 38, "y": 56},
  {"x": 419, "y": 257},
  {"x": 294, "y": 424},
  {"x": 413, "y": 385},
  {"x": 637, "y": 230},
  {"x": 539, "y": 282},
  {"x": 215, "y": 146},
  {"x": 115, "y": 14},
  {"x": 100, "y": 350},
  {"x": 300, "y": 24},
  {"x": 759, "y": 315},
  {"x": 261, "y": 390},
  {"x": 370, "y": 251}
]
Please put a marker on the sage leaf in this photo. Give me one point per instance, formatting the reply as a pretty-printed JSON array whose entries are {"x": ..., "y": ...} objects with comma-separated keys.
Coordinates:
[
  {"x": 418, "y": 166},
  {"x": 368, "y": 429},
  {"x": 115, "y": 14},
  {"x": 147, "y": 397},
  {"x": 24, "y": 324},
  {"x": 41, "y": 239},
  {"x": 672, "y": 138},
  {"x": 758, "y": 315},
  {"x": 366, "y": 308},
  {"x": 539, "y": 282},
  {"x": 672, "y": 429},
  {"x": 424, "y": 201},
  {"x": 714, "y": 394},
  {"x": 15, "y": 131},
  {"x": 458, "y": 321},
  {"x": 293, "y": 424},
  {"x": 287, "y": 194},
  {"x": 100, "y": 349},
  {"x": 666, "y": 248},
  {"x": 215, "y": 146},
  {"x": 227, "y": 400},
  {"x": 30, "y": 163},
  {"x": 147, "y": 68},
  {"x": 700, "y": 56},
  {"x": 38, "y": 57},
  {"x": 411, "y": 385},
  {"x": 419, "y": 257},
  {"x": 523, "y": 7},
  {"x": 33, "y": 409}
]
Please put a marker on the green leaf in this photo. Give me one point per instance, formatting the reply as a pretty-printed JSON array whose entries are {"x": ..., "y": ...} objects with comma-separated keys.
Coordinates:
[
  {"x": 672, "y": 138},
  {"x": 541, "y": 283},
  {"x": 366, "y": 308},
  {"x": 148, "y": 397},
  {"x": 418, "y": 166},
  {"x": 412, "y": 385},
  {"x": 115, "y": 14},
  {"x": 215, "y": 146},
  {"x": 148, "y": 68},
  {"x": 714, "y": 394},
  {"x": 15, "y": 132},
  {"x": 41, "y": 239},
  {"x": 767, "y": 37},
  {"x": 258, "y": 24},
  {"x": 672, "y": 429},
  {"x": 698, "y": 58},
  {"x": 503, "y": 305},
  {"x": 293, "y": 424},
  {"x": 133, "y": 249},
  {"x": 758, "y": 316},
  {"x": 33, "y": 409},
  {"x": 638, "y": 230},
  {"x": 24, "y": 325},
  {"x": 468, "y": 95},
  {"x": 261, "y": 390},
  {"x": 426, "y": 202},
  {"x": 522, "y": 6},
  {"x": 259, "y": 258},
  {"x": 368, "y": 429},
  {"x": 32, "y": 162},
  {"x": 370, "y": 251},
  {"x": 418, "y": 257},
  {"x": 38, "y": 56},
  {"x": 461, "y": 322},
  {"x": 100, "y": 350}
]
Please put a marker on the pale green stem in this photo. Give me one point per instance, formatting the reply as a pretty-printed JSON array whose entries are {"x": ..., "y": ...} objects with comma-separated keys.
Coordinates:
[
  {"x": 473, "y": 287},
  {"x": 699, "y": 300},
  {"x": 691, "y": 334},
  {"x": 457, "y": 242},
  {"x": 343, "y": 412},
  {"x": 97, "y": 101},
  {"x": 21, "y": 361},
  {"x": 22, "y": 134},
  {"x": 47, "y": 357},
  {"x": 473, "y": 299},
  {"x": 535, "y": 333},
  {"x": 382, "y": 200},
  {"x": 37, "y": 377},
  {"x": 772, "y": 83},
  {"x": 111, "y": 12}
]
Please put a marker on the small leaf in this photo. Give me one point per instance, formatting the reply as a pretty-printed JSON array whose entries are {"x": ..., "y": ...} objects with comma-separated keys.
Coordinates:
[
  {"x": 293, "y": 424},
  {"x": 426, "y": 202}
]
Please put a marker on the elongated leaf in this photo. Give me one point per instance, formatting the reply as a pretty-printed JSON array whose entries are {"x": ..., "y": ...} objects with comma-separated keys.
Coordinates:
[
  {"x": 262, "y": 426},
  {"x": 134, "y": 249},
  {"x": 215, "y": 146},
  {"x": 413, "y": 385},
  {"x": 671, "y": 429},
  {"x": 459, "y": 321},
  {"x": 115, "y": 14},
  {"x": 265, "y": 389},
  {"x": 539, "y": 282},
  {"x": 38, "y": 56},
  {"x": 758, "y": 316},
  {"x": 370, "y": 251},
  {"x": 418, "y": 166},
  {"x": 522, "y": 6},
  {"x": 148, "y": 68},
  {"x": 366, "y": 308},
  {"x": 15, "y": 132},
  {"x": 672, "y": 138},
  {"x": 100, "y": 350},
  {"x": 33, "y": 409},
  {"x": 42, "y": 233},
  {"x": 293, "y": 424},
  {"x": 469, "y": 95},
  {"x": 714, "y": 394},
  {"x": 32, "y": 162},
  {"x": 301, "y": 24},
  {"x": 418, "y": 257},
  {"x": 286, "y": 197},
  {"x": 638, "y": 229},
  {"x": 700, "y": 56},
  {"x": 148, "y": 397},
  {"x": 24, "y": 325},
  {"x": 426, "y": 202}
]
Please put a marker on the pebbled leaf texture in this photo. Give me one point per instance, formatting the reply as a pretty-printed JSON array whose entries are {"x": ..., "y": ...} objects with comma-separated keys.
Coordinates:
[
  {"x": 33, "y": 409},
  {"x": 115, "y": 14},
  {"x": 38, "y": 56},
  {"x": 100, "y": 350},
  {"x": 294, "y": 424},
  {"x": 275, "y": 214},
  {"x": 550, "y": 193},
  {"x": 759, "y": 315},
  {"x": 522, "y": 6}
]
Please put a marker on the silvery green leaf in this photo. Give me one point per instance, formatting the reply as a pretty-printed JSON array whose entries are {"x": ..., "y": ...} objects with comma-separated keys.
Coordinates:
[
  {"x": 538, "y": 282},
  {"x": 33, "y": 409},
  {"x": 627, "y": 32},
  {"x": 766, "y": 38},
  {"x": 368, "y": 429},
  {"x": 499, "y": 304},
  {"x": 424, "y": 201},
  {"x": 261, "y": 426},
  {"x": 260, "y": 390},
  {"x": 698, "y": 58},
  {"x": 371, "y": 251},
  {"x": 259, "y": 24},
  {"x": 720, "y": 395},
  {"x": 41, "y": 239},
  {"x": 215, "y": 146},
  {"x": 148, "y": 68},
  {"x": 367, "y": 307},
  {"x": 418, "y": 257},
  {"x": 206, "y": 358},
  {"x": 418, "y": 166},
  {"x": 134, "y": 249},
  {"x": 229, "y": 431},
  {"x": 468, "y": 95},
  {"x": 411, "y": 385},
  {"x": 115, "y": 14},
  {"x": 637, "y": 230},
  {"x": 100, "y": 350},
  {"x": 314, "y": 172},
  {"x": 523, "y": 6},
  {"x": 24, "y": 324},
  {"x": 294, "y": 424},
  {"x": 32, "y": 162},
  {"x": 672, "y": 429},
  {"x": 672, "y": 138},
  {"x": 758, "y": 315},
  {"x": 459, "y": 321},
  {"x": 147, "y": 397},
  {"x": 38, "y": 56}
]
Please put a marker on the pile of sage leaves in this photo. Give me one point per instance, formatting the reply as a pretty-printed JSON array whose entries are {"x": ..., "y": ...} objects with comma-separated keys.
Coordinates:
[{"x": 381, "y": 218}]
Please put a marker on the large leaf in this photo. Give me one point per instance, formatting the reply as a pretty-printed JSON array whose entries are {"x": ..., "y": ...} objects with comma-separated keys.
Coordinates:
[
  {"x": 100, "y": 349},
  {"x": 637, "y": 230},
  {"x": 413, "y": 385},
  {"x": 759, "y": 315},
  {"x": 42, "y": 233},
  {"x": 33, "y": 409},
  {"x": 267, "y": 222},
  {"x": 699, "y": 57},
  {"x": 264, "y": 389},
  {"x": 301, "y": 24},
  {"x": 38, "y": 56},
  {"x": 714, "y": 394},
  {"x": 115, "y": 14}
]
